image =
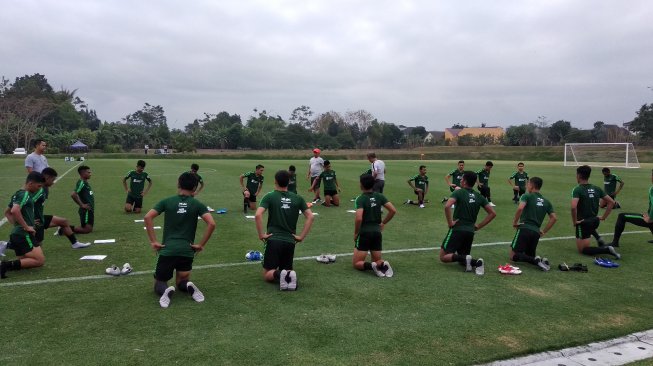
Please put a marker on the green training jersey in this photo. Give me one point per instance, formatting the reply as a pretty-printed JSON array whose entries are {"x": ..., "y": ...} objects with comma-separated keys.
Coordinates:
[
  {"x": 650, "y": 202},
  {"x": 329, "y": 180},
  {"x": 520, "y": 179},
  {"x": 85, "y": 193},
  {"x": 457, "y": 176},
  {"x": 371, "y": 203},
  {"x": 421, "y": 182},
  {"x": 137, "y": 182},
  {"x": 588, "y": 200},
  {"x": 468, "y": 203},
  {"x": 283, "y": 211},
  {"x": 39, "y": 199},
  {"x": 483, "y": 177},
  {"x": 253, "y": 181},
  {"x": 292, "y": 183},
  {"x": 536, "y": 208},
  {"x": 610, "y": 183},
  {"x": 26, "y": 203},
  {"x": 200, "y": 180},
  {"x": 180, "y": 224}
]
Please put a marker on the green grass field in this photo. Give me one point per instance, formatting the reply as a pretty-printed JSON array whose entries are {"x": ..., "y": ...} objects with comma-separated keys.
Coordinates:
[{"x": 69, "y": 312}]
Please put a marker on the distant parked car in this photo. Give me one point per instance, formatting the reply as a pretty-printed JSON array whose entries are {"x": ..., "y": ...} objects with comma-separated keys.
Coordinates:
[
  {"x": 160, "y": 151},
  {"x": 20, "y": 151}
]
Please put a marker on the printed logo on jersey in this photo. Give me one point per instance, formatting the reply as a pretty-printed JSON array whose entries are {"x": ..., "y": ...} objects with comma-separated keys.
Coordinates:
[
  {"x": 285, "y": 202},
  {"x": 181, "y": 207}
]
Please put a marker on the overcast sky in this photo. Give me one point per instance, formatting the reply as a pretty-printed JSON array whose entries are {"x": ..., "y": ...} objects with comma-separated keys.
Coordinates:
[{"x": 429, "y": 63}]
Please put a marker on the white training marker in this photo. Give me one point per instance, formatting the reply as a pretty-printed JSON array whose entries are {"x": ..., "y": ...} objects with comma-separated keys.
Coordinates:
[
  {"x": 139, "y": 220},
  {"x": 351, "y": 211},
  {"x": 249, "y": 217},
  {"x": 92, "y": 257},
  {"x": 155, "y": 228},
  {"x": 104, "y": 241}
]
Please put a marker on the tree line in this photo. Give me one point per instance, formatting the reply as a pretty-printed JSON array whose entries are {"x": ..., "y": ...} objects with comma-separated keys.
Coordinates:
[{"x": 31, "y": 108}]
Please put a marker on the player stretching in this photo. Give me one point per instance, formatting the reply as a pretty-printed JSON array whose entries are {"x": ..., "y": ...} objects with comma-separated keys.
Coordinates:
[
  {"x": 610, "y": 185},
  {"x": 194, "y": 168},
  {"x": 368, "y": 227},
  {"x": 178, "y": 249},
  {"x": 457, "y": 245},
  {"x": 457, "y": 175},
  {"x": 283, "y": 211},
  {"x": 584, "y": 210},
  {"x": 421, "y": 186},
  {"x": 252, "y": 187},
  {"x": 528, "y": 220},
  {"x": 83, "y": 197},
  {"x": 518, "y": 181},
  {"x": 136, "y": 191},
  {"x": 484, "y": 182},
  {"x": 331, "y": 186},
  {"x": 644, "y": 220}
]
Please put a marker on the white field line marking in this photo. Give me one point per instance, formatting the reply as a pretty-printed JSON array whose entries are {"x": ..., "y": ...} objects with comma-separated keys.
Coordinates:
[
  {"x": 4, "y": 219},
  {"x": 312, "y": 257}
]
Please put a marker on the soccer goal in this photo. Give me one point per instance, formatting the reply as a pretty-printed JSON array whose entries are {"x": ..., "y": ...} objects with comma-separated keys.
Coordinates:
[{"x": 614, "y": 155}]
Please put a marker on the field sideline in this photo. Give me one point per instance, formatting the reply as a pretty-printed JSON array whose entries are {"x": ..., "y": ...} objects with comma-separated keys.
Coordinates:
[{"x": 429, "y": 313}]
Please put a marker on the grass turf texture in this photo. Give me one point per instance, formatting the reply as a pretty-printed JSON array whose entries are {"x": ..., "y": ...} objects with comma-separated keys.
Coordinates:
[{"x": 429, "y": 313}]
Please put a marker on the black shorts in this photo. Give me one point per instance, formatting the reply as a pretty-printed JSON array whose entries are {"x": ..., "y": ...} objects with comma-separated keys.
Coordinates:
[
  {"x": 86, "y": 217},
  {"x": 525, "y": 241},
  {"x": 485, "y": 191},
  {"x": 166, "y": 265},
  {"x": 520, "y": 191},
  {"x": 417, "y": 192},
  {"x": 136, "y": 200},
  {"x": 372, "y": 241},
  {"x": 278, "y": 254},
  {"x": 40, "y": 229},
  {"x": 252, "y": 197},
  {"x": 330, "y": 193},
  {"x": 378, "y": 186},
  {"x": 584, "y": 229},
  {"x": 23, "y": 243},
  {"x": 459, "y": 242},
  {"x": 317, "y": 185}
]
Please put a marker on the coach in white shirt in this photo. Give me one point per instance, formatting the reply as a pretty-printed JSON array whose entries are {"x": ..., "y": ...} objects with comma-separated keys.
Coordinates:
[
  {"x": 378, "y": 172},
  {"x": 36, "y": 161},
  {"x": 315, "y": 168}
]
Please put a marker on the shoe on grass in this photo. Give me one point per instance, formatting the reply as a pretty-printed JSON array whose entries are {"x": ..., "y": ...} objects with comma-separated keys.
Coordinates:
[
  {"x": 480, "y": 269},
  {"x": 283, "y": 284},
  {"x": 322, "y": 258},
  {"x": 292, "y": 285},
  {"x": 197, "y": 295},
  {"x": 164, "y": 300},
  {"x": 331, "y": 257},
  {"x": 389, "y": 272},
  {"x": 468, "y": 263},
  {"x": 126, "y": 269},
  {"x": 80, "y": 245},
  {"x": 376, "y": 270},
  {"x": 614, "y": 252},
  {"x": 113, "y": 270}
]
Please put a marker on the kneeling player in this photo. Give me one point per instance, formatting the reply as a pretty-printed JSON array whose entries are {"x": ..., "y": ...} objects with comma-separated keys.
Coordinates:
[
  {"x": 175, "y": 253},
  {"x": 421, "y": 186},
  {"x": 136, "y": 190},
  {"x": 528, "y": 220},
  {"x": 457, "y": 245},
  {"x": 643, "y": 220},
  {"x": 283, "y": 211},
  {"x": 368, "y": 227}
]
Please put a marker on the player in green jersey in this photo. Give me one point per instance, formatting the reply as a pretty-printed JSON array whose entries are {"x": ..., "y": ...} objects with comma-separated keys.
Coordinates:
[
  {"x": 528, "y": 220},
  {"x": 518, "y": 181},
  {"x": 251, "y": 184},
  {"x": 457, "y": 176},
  {"x": 292, "y": 184},
  {"x": 584, "y": 210},
  {"x": 178, "y": 248},
  {"x": 457, "y": 245},
  {"x": 484, "y": 182},
  {"x": 610, "y": 187},
  {"x": 22, "y": 239},
  {"x": 280, "y": 236},
  {"x": 368, "y": 225},
  {"x": 136, "y": 190},
  {"x": 643, "y": 220},
  {"x": 83, "y": 197},
  {"x": 331, "y": 186},
  {"x": 194, "y": 168},
  {"x": 420, "y": 186}
]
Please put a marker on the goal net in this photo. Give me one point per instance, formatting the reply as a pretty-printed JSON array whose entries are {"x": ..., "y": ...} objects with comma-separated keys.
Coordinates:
[{"x": 614, "y": 155}]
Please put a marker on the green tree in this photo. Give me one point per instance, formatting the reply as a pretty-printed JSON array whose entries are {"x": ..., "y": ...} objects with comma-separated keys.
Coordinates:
[
  {"x": 559, "y": 130},
  {"x": 642, "y": 125},
  {"x": 522, "y": 135}
]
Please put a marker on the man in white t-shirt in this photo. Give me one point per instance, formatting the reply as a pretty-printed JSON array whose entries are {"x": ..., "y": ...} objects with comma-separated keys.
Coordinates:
[
  {"x": 36, "y": 161},
  {"x": 378, "y": 172},
  {"x": 315, "y": 168}
]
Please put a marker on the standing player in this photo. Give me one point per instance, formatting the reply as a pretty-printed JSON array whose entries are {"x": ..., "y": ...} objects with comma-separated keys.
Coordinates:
[
  {"x": 315, "y": 167},
  {"x": 584, "y": 210},
  {"x": 83, "y": 197},
  {"x": 136, "y": 191},
  {"x": 36, "y": 161},
  {"x": 528, "y": 220},
  {"x": 252, "y": 187},
  {"x": 23, "y": 242},
  {"x": 368, "y": 227},
  {"x": 194, "y": 168},
  {"x": 643, "y": 220},
  {"x": 292, "y": 184},
  {"x": 484, "y": 182},
  {"x": 610, "y": 186},
  {"x": 457, "y": 175},
  {"x": 378, "y": 172},
  {"x": 331, "y": 186},
  {"x": 280, "y": 235},
  {"x": 457, "y": 245},
  {"x": 178, "y": 249},
  {"x": 518, "y": 181},
  {"x": 420, "y": 187}
]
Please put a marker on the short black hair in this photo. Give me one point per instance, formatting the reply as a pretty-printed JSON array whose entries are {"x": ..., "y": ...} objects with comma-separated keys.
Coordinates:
[
  {"x": 35, "y": 177},
  {"x": 520, "y": 163},
  {"x": 291, "y": 168},
  {"x": 259, "y": 167},
  {"x": 367, "y": 181},
  {"x": 141, "y": 163},
  {"x": 470, "y": 178},
  {"x": 327, "y": 162},
  {"x": 489, "y": 163},
  {"x": 461, "y": 161},
  {"x": 282, "y": 177},
  {"x": 49, "y": 171},
  {"x": 584, "y": 172},
  {"x": 194, "y": 167},
  {"x": 37, "y": 142},
  {"x": 82, "y": 168},
  {"x": 537, "y": 182},
  {"x": 187, "y": 181},
  {"x": 605, "y": 170},
  {"x": 422, "y": 167}
]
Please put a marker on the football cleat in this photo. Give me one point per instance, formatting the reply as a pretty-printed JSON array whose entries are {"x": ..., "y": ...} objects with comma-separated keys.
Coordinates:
[
  {"x": 322, "y": 258},
  {"x": 164, "y": 300},
  {"x": 113, "y": 270},
  {"x": 3, "y": 247},
  {"x": 468, "y": 263},
  {"x": 389, "y": 272},
  {"x": 480, "y": 269},
  {"x": 283, "y": 284},
  {"x": 292, "y": 285},
  {"x": 332, "y": 257},
  {"x": 376, "y": 270},
  {"x": 80, "y": 245},
  {"x": 126, "y": 269},
  {"x": 510, "y": 270},
  {"x": 197, "y": 295}
]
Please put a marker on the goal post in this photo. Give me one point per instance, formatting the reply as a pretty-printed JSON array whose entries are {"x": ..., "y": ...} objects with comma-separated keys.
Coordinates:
[{"x": 613, "y": 155}]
